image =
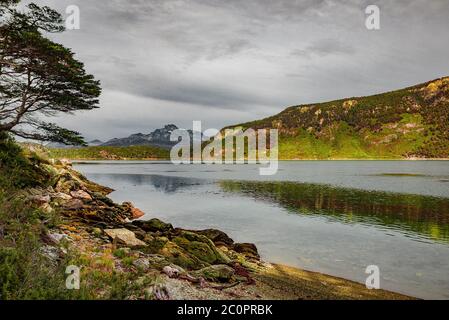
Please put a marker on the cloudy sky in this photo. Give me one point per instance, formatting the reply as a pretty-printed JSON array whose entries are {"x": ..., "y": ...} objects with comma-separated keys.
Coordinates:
[{"x": 224, "y": 62}]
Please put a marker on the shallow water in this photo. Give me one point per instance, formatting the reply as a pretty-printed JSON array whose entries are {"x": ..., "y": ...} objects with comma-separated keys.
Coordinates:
[{"x": 335, "y": 217}]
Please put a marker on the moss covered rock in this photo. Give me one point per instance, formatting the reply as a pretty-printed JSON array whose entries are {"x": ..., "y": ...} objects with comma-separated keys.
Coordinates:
[
  {"x": 201, "y": 247},
  {"x": 216, "y": 273},
  {"x": 154, "y": 225}
]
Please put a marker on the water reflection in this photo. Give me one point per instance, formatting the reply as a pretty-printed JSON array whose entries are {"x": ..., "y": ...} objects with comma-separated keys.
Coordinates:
[
  {"x": 423, "y": 216},
  {"x": 165, "y": 184}
]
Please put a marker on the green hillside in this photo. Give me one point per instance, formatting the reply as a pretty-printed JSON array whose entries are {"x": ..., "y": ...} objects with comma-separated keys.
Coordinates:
[
  {"x": 111, "y": 153},
  {"x": 407, "y": 123}
]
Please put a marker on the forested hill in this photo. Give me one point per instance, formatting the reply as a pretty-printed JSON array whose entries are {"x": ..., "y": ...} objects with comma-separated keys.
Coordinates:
[{"x": 408, "y": 123}]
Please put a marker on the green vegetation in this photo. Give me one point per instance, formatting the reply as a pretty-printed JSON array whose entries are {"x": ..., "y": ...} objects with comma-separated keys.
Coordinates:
[
  {"x": 412, "y": 122},
  {"x": 26, "y": 272},
  {"x": 111, "y": 153}
]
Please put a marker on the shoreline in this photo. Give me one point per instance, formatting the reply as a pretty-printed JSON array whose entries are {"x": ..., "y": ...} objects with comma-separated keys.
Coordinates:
[
  {"x": 188, "y": 264},
  {"x": 281, "y": 160}
]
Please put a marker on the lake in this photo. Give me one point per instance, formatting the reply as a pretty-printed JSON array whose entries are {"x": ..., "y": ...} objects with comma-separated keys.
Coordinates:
[{"x": 334, "y": 217}]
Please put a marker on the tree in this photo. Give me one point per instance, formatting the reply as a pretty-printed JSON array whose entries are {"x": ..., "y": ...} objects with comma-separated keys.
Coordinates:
[{"x": 38, "y": 77}]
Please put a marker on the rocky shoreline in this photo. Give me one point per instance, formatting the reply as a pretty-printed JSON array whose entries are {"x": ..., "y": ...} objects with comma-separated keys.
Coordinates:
[{"x": 181, "y": 264}]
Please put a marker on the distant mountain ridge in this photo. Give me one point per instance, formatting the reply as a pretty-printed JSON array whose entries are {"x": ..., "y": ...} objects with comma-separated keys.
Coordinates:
[
  {"x": 58, "y": 145},
  {"x": 157, "y": 138},
  {"x": 407, "y": 123}
]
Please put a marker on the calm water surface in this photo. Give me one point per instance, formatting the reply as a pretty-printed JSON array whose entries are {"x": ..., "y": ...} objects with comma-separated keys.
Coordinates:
[{"x": 335, "y": 217}]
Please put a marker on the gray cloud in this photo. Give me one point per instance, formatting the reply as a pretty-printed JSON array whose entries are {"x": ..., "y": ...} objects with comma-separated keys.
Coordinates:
[
  {"x": 324, "y": 47},
  {"x": 223, "y": 62}
]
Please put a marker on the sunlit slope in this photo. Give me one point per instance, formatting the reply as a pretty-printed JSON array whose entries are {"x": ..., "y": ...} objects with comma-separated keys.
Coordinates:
[{"x": 412, "y": 122}]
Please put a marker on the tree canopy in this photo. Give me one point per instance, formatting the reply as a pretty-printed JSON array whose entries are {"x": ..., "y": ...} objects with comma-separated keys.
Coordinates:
[{"x": 38, "y": 77}]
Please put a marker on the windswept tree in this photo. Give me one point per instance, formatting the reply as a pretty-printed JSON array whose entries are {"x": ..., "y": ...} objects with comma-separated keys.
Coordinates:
[{"x": 38, "y": 77}]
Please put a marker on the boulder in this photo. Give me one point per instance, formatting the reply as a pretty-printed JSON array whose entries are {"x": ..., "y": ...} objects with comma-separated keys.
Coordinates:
[
  {"x": 50, "y": 252},
  {"x": 74, "y": 204},
  {"x": 247, "y": 249},
  {"x": 57, "y": 237},
  {"x": 173, "y": 271},
  {"x": 142, "y": 264},
  {"x": 201, "y": 247},
  {"x": 157, "y": 261},
  {"x": 153, "y": 225},
  {"x": 40, "y": 199},
  {"x": 81, "y": 194},
  {"x": 177, "y": 255},
  {"x": 125, "y": 237},
  {"x": 136, "y": 213},
  {"x": 61, "y": 196},
  {"x": 217, "y": 236},
  {"x": 216, "y": 273}
]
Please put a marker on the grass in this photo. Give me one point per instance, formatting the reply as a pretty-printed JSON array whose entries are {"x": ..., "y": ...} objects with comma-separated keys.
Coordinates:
[
  {"x": 111, "y": 153},
  {"x": 25, "y": 272}
]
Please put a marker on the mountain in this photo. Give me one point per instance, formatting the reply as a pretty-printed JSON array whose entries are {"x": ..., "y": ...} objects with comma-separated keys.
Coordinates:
[
  {"x": 58, "y": 145},
  {"x": 407, "y": 123},
  {"x": 158, "y": 138},
  {"x": 95, "y": 143}
]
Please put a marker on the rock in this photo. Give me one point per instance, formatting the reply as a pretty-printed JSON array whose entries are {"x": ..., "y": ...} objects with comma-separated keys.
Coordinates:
[
  {"x": 57, "y": 237},
  {"x": 181, "y": 257},
  {"x": 142, "y": 264},
  {"x": 99, "y": 196},
  {"x": 217, "y": 273},
  {"x": 217, "y": 236},
  {"x": 61, "y": 196},
  {"x": 173, "y": 271},
  {"x": 40, "y": 199},
  {"x": 97, "y": 232},
  {"x": 247, "y": 248},
  {"x": 81, "y": 194},
  {"x": 154, "y": 225},
  {"x": 201, "y": 247},
  {"x": 157, "y": 261},
  {"x": 73, "y": 204},
  {"x": 66, "y": 184},
  {"x": 158, "y": 292},
  {"x": 50, "y": 252},
  {"x": 136, "y": 213},
  {"x": 65, "y": 162},
  {"x": 124, "y": 236},
  {"x": 46, "y": 207}
]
